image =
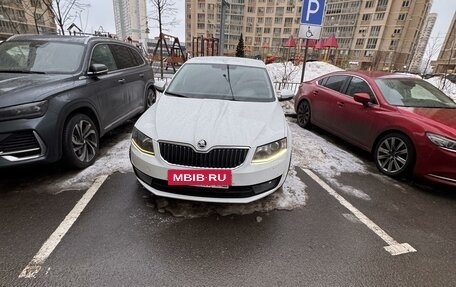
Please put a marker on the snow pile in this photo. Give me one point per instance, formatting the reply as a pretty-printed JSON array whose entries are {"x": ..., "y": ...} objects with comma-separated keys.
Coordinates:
[
  {"x": 291, "y": 73},
  {"x": 446, "y": 86}
]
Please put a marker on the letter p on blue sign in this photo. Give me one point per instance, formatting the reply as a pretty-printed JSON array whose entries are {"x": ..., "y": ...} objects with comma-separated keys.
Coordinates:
[{"x": 312, "y": 12}]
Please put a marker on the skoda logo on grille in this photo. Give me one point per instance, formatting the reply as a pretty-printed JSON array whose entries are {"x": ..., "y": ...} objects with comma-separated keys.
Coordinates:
[{"x": 202, "y": 144}]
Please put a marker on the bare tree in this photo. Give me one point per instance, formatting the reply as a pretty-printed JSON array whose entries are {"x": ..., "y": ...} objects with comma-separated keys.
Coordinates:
[
  {"x": 65, "y": 11},
  {"x": 433, "y": 47},
  {"x": 163, "y": 15}
]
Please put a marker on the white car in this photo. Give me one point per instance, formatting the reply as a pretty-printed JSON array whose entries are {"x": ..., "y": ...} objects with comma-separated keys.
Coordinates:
[{"x": 216, "y": 134}]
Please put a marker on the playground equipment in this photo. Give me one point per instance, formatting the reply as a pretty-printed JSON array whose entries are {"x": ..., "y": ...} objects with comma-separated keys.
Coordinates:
[
  {"x": 205, "y": 46},
  {"x": 174, "y": 53}
]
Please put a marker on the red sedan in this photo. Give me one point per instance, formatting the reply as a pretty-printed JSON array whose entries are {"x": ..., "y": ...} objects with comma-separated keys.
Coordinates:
[{"x": 405, "y": 122}]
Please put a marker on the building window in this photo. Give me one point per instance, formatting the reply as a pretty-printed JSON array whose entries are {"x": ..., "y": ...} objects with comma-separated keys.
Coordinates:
[
  {"x": 267, "y": 30},
  {"x": 36, "y": 3},
  {"x": 278, "y": 20},
  {"x": 371, "y": 43},
  {"x": 277, "y": 31},
  {"x": 270, "y": 10},
  {"x": 201, "y": 26},
  {"x": 393, "y": 44},
  {"x": 379, "y": 16},
  {"x": 405, "y": 3},
  {"x": 359, "y": 43},
  {"x": 366, "y": 17},
  {"x": 382, "y": 3},
  {"x": 250, "y": 9},
  {"x": 375, "y": 30},
  {"x": 369, "y": 4},
  {"x": 402, "y": 17}
]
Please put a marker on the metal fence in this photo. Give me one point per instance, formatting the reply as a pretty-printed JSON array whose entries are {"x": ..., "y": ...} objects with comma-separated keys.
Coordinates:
[{"x": 290, "y": 86}]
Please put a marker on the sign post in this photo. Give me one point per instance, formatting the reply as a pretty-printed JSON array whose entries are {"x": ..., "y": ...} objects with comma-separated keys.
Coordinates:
[{"x": 311, "y": 19}]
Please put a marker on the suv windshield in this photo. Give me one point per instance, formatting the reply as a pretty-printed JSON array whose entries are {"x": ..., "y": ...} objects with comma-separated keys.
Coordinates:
[
  {"x": 222, "y": 81},
  {"x": 40, "y": 57},
  {"x": 413, "y": 93}
]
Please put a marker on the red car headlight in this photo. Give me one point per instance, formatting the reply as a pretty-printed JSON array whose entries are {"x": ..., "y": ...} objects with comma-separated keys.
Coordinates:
[{"x": 443, "y": 142}]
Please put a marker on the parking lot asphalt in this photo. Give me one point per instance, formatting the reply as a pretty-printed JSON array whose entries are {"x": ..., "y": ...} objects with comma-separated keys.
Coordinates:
[{"x": 126, "y": 237}]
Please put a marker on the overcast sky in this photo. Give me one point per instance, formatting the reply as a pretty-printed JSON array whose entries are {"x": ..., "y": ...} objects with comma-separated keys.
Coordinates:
[{"x": 101, "y": 14}]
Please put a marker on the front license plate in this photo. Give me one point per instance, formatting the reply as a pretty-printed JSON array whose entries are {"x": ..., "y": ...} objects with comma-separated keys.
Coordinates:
[{"x": 202, "y": 177}]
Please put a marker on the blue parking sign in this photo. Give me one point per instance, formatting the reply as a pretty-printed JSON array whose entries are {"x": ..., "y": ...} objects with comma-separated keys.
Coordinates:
[{"x": 312, "y": 12}]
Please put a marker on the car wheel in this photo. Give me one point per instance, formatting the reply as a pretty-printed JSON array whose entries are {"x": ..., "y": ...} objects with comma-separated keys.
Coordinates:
[
  {"x": 394, "y": 155},
  {"x": 80, "y": 141},
  {"x": 303, "y": 114},
  {"x": 151, "y": 97}
]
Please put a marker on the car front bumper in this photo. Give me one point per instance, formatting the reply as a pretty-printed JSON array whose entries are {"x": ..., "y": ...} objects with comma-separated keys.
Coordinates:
[
  {"x": 250, "y": 182},
  {"x": 437, "y": 165}
]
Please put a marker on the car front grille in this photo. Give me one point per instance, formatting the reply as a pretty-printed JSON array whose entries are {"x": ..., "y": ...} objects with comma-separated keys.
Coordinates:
[
  {"x": 20, "y": 144},
  {"x": 215, "y": 158}
]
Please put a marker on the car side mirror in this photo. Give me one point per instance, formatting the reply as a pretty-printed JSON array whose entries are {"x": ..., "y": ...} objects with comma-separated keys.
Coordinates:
[
  {"x": 97, "y": 69},
  {"x": 160, "y": 85},
  {"x": 363, "y": 98},
  {"x": 285, "y": 95}
]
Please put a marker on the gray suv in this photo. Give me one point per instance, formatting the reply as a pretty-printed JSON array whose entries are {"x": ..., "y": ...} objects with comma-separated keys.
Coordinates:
[{"x": 60, "y": 94}]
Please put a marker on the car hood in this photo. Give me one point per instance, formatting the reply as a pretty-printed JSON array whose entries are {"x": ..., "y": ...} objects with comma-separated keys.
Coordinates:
[
  {"x": 440, "y": 119},
  {"x": 218, "y": 122},
  {"x": 18, "y": 88}
]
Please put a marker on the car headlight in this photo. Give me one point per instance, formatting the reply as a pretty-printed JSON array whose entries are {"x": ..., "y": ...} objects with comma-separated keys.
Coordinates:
[
  {"x": 270, "y": 151},
  {"x": 142, "y": 142},
  {"x": 24, "y": 111},
  {"x": 442, "y": 141}
]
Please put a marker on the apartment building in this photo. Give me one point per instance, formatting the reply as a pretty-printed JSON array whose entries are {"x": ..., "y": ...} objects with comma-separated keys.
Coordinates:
[
  {"x": 371, "y": 34},
  {"x": 131, "y": 19},
  {"x": 25, "y": 16},
  {"x": 446, "y": 61},
  {"x": 418, "y": 57}
]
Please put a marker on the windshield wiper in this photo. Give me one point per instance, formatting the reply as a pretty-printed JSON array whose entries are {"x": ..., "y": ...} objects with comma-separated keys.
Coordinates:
[
  {"x": 176, "y": 95},
  {"x": 22, "y": 72},
  {"x": 228, "y": 79}
]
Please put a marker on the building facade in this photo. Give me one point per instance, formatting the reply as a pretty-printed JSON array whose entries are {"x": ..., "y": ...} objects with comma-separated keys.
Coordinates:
[
  {"x": 25, "y": 17},
  {"x": 417, "y": 60},
  {"x": 131, "y": 19},
  {"x": 446, "y": 61},
  {"x": 371, "y": 34}
]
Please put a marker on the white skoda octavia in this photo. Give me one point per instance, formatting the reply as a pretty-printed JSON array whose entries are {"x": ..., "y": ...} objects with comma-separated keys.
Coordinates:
[{"x": 217, "y": 134}]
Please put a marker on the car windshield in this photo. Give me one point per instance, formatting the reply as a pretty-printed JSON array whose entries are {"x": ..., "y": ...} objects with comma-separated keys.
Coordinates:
[
  {"x": 40, "y": 57},
  {"x": 410, "y": 92},
  {"x": 222, "y": 81}
]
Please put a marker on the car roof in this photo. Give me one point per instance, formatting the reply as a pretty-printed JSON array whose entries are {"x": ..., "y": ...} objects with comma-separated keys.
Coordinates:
[
  {"x": 374, "y": 74},
  {"x": 62, "y": 38},
  {"x": 227, "y": 60}
]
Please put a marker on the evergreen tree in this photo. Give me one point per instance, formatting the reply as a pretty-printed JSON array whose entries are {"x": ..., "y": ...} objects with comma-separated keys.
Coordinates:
[{"x": 240, "y": 48}]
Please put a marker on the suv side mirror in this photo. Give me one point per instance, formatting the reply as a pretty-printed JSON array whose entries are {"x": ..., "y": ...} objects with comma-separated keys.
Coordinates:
[{"x": 97, "y": 69}]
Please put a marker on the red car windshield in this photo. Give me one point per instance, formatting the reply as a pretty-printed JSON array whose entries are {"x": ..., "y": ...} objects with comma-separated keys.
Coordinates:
[{"x": 410, "y": 92}]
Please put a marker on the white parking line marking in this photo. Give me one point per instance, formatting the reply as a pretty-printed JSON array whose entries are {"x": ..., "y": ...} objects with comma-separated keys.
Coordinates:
[
  {"x": 394, "y": 247},
  {"x": 38, "y": 260}
]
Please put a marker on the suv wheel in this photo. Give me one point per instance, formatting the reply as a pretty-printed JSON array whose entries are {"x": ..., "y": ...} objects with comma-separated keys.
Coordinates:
[
  {"x": 80, "y": 141},
  {"x": 151, "y": 97}
]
